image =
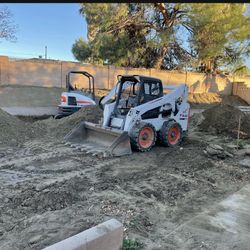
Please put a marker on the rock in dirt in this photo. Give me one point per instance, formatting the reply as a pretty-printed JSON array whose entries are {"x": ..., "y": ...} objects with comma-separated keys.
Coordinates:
[
  {"x": 212, "y": 151},
  {"x": 231, "y": 146},
  {"x": 216, "y": 147},
  {"x": 224, "y": 119},
  {"x": 245, "y": 162},
  {"x": 217, "y": 151},
  {"x": 228, "y": 154},
  {"x": 243, "y": 152},
  {"x": 35, "y": 239},
  {"x": 247, "y": 146}
]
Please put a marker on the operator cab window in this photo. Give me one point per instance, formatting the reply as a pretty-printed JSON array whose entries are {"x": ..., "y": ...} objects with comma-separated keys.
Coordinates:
[
  {"x": 129, "y": 95},
  {"x": 151, "y": 91},
  {"x": 155, "y": 89}
]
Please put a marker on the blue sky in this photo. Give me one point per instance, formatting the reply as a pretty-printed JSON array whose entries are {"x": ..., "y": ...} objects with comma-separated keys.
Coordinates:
[{"x": 56, "y": 26}]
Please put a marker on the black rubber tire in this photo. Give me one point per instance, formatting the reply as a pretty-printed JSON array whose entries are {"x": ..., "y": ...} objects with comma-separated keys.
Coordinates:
[
  {"x": 134, "y": 136},
  {"x": 164, "y": 131}
]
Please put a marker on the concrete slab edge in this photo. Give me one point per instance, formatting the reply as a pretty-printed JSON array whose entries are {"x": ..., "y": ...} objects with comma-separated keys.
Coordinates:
[{"x": 105, "y": 236}]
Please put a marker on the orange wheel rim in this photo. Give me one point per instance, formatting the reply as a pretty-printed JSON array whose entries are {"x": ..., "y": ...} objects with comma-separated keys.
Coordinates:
[
  {"x": 146, "y": 137},
  {"x": 174, "y": 135}
]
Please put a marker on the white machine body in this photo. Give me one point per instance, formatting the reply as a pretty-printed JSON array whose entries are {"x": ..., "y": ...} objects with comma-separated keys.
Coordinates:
[
  {"x": 166, "y": 102},
  {"x": 81, "y": 99},
  {"x": 136, "y": 113}
]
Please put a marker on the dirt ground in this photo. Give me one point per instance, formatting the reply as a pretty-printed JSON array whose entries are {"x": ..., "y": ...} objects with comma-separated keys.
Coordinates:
[{"x": 50, "y": 191}]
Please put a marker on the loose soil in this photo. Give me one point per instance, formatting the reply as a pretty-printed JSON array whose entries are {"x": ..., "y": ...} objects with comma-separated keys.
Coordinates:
[
  {"x": 206, "y": 100},
  {"x": 224, "y": 119},
  {"x": 14, "y": 131},
  {"x": 49, "y": 191},
  {"x": 60, "y": 127}
]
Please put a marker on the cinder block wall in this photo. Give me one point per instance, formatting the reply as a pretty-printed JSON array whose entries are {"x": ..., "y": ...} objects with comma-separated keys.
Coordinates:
[
  {"x": 242, "y": 90},
  {"x": 52, "y": 73}
]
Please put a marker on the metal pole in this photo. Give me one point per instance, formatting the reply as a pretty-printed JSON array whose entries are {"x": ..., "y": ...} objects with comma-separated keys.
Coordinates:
[
  {"x": 61, "y": 74},
  {"x": 45, "y": 52},
  {"x": 238, "y": 134},
  {"x": 108, "y": 76},
  {"x": 233, "y": 84}
]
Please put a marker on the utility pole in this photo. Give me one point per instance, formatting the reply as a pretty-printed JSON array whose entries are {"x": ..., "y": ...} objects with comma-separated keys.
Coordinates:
[
  {"x": 45, "y": 52},
  {"x": 186, "y": 74}
]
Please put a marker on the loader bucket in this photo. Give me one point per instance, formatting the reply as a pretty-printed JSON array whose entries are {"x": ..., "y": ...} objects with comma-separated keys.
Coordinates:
[{"x": 93, "y": 138}]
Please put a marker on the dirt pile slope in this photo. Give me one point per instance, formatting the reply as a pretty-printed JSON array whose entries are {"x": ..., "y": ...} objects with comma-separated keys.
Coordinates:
[
  {"x": 224, "y": 119},
  {"x": 209, "y": 99},
  {"x": 13, "y": 130},
  {"x": 204, "y": 98},
  {"x": 233, "y": 100},
  {"x": 60, "y": 127}
]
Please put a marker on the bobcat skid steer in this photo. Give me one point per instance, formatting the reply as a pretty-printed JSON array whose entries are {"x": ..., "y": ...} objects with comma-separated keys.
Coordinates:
[
  {"x": 74, "y": 99},
  {"x": 136, "y": 113}
]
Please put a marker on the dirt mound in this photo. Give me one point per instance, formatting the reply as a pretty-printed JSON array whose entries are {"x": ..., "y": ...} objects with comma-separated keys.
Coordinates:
[
  {"x": 195, "y": 120},
  {"x": 210, "y": 99},
  {"x": 204, "y": 98},
  {"x": 224, "y": 119},
  {"x": 13, "y": 130},
  {"x": 233, "y": 100},
  {"x": 60, "y": 127}
]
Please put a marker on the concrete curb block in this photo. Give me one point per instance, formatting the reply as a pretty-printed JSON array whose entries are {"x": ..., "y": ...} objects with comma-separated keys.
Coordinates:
[{"x": 105, "y": 236}]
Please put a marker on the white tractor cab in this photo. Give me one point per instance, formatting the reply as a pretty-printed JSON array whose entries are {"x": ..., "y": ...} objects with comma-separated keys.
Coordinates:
[{"x": 76, "y": 98}]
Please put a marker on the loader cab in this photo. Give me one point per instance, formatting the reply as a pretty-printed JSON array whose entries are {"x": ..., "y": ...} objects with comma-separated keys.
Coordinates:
[
  {"x": 89, "y": 91},
  {"x": 136, "y": 90}
]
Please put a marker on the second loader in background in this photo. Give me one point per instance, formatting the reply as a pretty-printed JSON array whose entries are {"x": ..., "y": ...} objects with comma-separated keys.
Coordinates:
[
  {"x": 136, "y": 113},
  {"x": 73, "y": 99}
]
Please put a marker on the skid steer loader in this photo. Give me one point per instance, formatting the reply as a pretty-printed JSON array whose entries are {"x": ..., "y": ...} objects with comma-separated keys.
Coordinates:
[{"x": 136, "y": 113}]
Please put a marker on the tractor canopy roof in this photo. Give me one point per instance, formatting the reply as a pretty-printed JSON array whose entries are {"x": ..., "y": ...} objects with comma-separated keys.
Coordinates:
[{"x": 139, "y": 78}]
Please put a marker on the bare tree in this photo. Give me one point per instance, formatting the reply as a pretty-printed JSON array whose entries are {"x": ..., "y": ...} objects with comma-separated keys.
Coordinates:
[{"x": 7, "y": 27}]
